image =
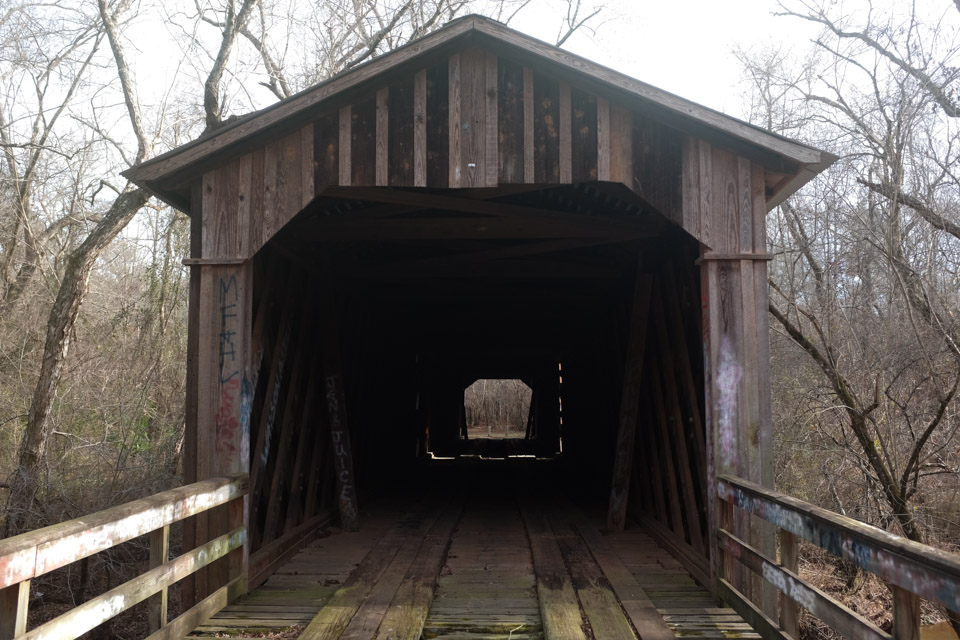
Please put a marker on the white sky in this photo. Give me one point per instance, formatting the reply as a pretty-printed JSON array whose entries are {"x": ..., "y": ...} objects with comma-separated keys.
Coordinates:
[{"x": 684, "y": 46}]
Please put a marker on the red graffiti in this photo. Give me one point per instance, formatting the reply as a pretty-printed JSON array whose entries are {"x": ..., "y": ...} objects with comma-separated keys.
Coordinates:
[{"x": 226, "y": 420}]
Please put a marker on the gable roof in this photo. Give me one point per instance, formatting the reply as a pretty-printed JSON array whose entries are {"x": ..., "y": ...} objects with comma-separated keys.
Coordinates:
[{"x": 167, "y": 174}]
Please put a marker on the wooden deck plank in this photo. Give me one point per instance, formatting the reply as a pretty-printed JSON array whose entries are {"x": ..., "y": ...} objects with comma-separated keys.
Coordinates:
[
  {"x": 559, "y": 606},
  {"x": 334, "y": 618},
  {"x": 486, "y": 589}
]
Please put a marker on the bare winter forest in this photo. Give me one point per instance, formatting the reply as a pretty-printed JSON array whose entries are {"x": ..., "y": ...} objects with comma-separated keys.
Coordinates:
[{"x": 865, "y": 283}]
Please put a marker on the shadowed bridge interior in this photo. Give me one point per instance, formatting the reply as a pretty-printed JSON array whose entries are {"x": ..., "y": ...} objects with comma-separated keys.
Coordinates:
[{"x": 444, "y": 293}]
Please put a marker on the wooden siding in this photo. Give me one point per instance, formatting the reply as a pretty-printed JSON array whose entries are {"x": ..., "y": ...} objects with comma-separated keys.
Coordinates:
[
  {"x": 472, "y": 120},
  {"x": 724, "y": 207}
]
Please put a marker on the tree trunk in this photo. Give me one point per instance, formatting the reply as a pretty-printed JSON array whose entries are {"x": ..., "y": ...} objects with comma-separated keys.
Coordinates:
[{"x": 26, "y": 478}]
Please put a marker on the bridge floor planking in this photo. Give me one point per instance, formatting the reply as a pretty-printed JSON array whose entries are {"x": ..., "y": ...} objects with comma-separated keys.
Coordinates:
[{"x": 427, "y": 571}]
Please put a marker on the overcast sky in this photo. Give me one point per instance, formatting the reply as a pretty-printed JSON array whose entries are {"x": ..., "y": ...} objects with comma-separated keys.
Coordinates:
[{"x": 683, "y": 46}]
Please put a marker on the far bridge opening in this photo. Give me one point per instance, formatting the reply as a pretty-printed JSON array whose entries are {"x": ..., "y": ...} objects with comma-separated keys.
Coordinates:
[{"x": 497, "y": 409}]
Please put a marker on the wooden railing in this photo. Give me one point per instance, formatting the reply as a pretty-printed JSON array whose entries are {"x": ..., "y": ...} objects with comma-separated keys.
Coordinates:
[
  {"x": 27, "y": 556},
  {"x": 911, "y": 570}
]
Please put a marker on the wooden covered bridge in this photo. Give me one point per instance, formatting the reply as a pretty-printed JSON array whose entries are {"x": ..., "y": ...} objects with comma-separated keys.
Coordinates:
[{"x": 478, "y": 204}]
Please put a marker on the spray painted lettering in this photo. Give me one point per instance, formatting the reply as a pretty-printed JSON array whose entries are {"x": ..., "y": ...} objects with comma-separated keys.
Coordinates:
[
  {"x": 233, "y": 411},
  {"x": 341, "y": 455}
]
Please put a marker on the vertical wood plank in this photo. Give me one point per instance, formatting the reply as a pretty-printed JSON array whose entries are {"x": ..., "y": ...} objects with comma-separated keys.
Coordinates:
[
  {"x": 745, "y": 207},
  {"x": 583, "y": 134},
  {"x": 401, "y": 135},
  {"x": 690, "y": 186},
  {"x": 307, "y": 166},
  {"x": 382, "y": 132},
  {"x": 157, "y": 603},
  {"x": 546, "y": 129},
  {"x": 420, "y": 128},
  {"x": 789, "y": 610},
  {"x": 621, "y": 146},
  {"x": 14, "y": 606},
  {"x": 326, "y": 144},
  {"x": 490, "y": 125},
  {"x": 906, "y": 614},
  {"x": 188, "y": 593},
  {"x": 725, "y": 234},
  {"x": 246, "y": 219},
  {"x": 289, "y": 175},
  {"x": 438, "y": 126},
  {"x": 629, "y": 402},
  {"x": 256, "y": 204},
  {"x": 271, "y": 203},
  {"x": 473, "y": 107},
  {"x": 239, "y": 559},
  {"x": 510, "y": 121},
  {"x": 564, "y": 127},
  {"x": 704, "y": 226},
  {"x": 345, "y": 155},
  {"x": 455, "y": 155},
  {"x": 709, "y": 311},
  {"x": 603, "y": 139},
  {"x": 363, "y": 142},
  {"x": 223, "y": 350},
  {"x": 528, "y": 111}
]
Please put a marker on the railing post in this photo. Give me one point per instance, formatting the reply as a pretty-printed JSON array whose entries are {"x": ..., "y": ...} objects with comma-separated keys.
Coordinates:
[
  {"x": 14, "y": 601},
  {"x": 240, "y": 558},
  {"x": 159, "y": 553},
  {"x": 789, "y": 610},
  {"x": 906, "y": 614},
  {"x": 727, "y": 567}
]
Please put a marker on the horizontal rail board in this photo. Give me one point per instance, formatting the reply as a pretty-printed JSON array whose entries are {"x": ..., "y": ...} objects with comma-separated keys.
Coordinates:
[
  {"x": 758, "y": 620},
  {"x": 100, "y": 609},
  {"x": 928, "y": 572},
  {"x": 837, "y": 616},
  {"x": 192, "y": 618},
  {"x": 34, "y": 553}
]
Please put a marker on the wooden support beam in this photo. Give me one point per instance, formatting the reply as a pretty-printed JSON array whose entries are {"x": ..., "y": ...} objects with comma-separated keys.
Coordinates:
[
  {"x": 336, "y": 404},
  {"x": 789, "y": 609},
  {"x": 676, "y": 428},
  {"x": 629, "y": 401},
  {"x": 278, "y": 367},
  {"x": 289, "y": 415},
  {"x": 683, "y": 357},
  {"x": 307, "y": 433},
  {"x": 157, "y": 603},
  {"x": 906, "y": 614},
  {"x": 14, "y": 605}
]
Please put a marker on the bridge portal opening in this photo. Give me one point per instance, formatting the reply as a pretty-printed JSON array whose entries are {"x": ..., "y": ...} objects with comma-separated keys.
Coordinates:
[{"x": 497, "y": 409}]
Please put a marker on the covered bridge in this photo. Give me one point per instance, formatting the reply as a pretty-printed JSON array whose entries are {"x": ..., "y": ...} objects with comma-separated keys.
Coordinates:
[{"x": 478, "y": 204}]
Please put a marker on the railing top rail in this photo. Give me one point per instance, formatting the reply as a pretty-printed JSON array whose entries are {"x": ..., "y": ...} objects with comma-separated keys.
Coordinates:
[
  {"x": 928, "y": 572},
  {"x": 34, "y": 553}
]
